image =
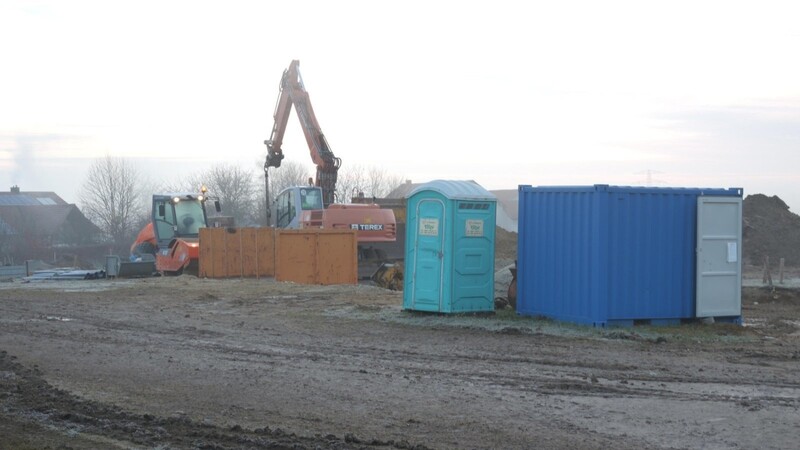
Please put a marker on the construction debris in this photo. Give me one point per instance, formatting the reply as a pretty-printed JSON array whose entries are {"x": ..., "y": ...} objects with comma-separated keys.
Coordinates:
[{"x": 65, "y": 273}]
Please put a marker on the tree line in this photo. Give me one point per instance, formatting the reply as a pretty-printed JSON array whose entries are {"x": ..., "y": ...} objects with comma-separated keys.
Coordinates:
[{"x": 116, "y": 196}]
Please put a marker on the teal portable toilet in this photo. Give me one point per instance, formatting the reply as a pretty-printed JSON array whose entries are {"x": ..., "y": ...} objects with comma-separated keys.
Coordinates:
[{"x": 449, "y": 263}]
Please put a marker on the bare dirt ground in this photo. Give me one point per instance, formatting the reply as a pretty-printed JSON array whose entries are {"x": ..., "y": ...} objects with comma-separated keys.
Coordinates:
[{"x": 191, "y": 363}]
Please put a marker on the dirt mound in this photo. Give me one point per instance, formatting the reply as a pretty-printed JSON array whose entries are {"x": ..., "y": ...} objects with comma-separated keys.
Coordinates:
[
  {"x": 770, "y": 229},
  {"x": 505, "y": 244}
]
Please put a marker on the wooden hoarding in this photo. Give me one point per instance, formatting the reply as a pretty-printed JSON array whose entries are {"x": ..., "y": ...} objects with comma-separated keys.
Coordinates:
[
  {"x": 316, "y": 256},
  {"x": 311, "y": 256},
  {"x": 237, "y": 252}
]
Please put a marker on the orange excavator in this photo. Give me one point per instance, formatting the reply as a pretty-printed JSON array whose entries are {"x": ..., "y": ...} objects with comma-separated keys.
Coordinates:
[
  {"x": 171, "y": 238},
  {"x": 314, "y": 206}
]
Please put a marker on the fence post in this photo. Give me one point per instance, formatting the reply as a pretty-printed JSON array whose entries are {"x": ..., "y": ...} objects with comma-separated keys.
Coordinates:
[
  {"x": 767, "y": 278},
  {"x": 780, "y": 271}
]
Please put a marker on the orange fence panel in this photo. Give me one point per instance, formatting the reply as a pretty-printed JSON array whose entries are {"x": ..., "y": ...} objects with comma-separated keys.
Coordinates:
[
  {"x": 211, "y": 255},
  {"x": 233, "y": 252},
  {"x": 237, "y": 252},
  {"x": 316, "y": 256},
  {"x": 311, "y": 256}
]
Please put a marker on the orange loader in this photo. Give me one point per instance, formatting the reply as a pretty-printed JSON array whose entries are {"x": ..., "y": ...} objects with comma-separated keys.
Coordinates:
[{"x": 172, "y": 236}]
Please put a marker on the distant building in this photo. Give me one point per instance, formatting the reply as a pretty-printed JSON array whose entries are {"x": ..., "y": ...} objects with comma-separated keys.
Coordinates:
[
  {"x": 403, "y": 190},
  {"x": 41, "y": 225},
  {"x": 507, "y": 203}
]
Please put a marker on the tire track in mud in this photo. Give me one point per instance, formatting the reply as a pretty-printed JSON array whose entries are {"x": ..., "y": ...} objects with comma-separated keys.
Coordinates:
[
  {"x": 350, "y": 360},
  {"x": 29, "y": 403},
  {"x": 545, "y": 379},
  {"x": 606, "y": 378},
  {"x": 494, "y": 365},
  {"x": 209, "y": 340}
]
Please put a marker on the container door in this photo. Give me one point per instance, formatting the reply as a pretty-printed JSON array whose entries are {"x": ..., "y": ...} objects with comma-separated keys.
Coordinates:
[
  {"x": 429, "y": 253},
  {"x": 719, "y": 256}
]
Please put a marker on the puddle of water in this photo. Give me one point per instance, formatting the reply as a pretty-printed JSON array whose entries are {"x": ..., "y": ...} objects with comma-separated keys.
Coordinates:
[
  {"x": 755, "y": 323},
  {"x": 59, "y": 319}
]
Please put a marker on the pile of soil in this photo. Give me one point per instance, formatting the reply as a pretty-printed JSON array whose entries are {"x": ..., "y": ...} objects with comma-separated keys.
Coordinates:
[
  {"x": 770, "y": 229},
  {"x": 505, "y": 244}
]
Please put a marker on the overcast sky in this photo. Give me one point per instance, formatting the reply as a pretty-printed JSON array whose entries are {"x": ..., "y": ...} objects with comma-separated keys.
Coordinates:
[{"x": 687, "y": 94}]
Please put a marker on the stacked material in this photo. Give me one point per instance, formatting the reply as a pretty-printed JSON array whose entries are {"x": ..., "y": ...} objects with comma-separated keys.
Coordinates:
[{"x": 66, "y": 273}]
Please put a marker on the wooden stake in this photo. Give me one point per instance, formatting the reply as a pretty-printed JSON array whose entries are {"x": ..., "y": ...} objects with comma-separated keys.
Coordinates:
[
  {"x": 767, "y": 275},
  {"x": 780, "y": 271}
]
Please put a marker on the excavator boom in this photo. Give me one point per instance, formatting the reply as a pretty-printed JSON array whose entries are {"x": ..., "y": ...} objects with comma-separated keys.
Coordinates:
[
  {"x": 293, "y": 92},
  {"x": 314, "y": 206}
]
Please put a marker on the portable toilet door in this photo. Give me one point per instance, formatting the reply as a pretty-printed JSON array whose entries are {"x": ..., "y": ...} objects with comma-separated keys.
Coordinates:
[
  {"x": 427, "y": 254},
  {"x": 449, "y": 263}
]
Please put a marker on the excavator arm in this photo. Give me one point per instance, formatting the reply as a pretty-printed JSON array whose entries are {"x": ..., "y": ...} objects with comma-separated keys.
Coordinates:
[{"x": 293, "y": 92}]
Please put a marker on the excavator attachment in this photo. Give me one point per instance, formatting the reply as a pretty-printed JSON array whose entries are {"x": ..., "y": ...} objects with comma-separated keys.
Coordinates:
[{"x": 389, "y": 276}]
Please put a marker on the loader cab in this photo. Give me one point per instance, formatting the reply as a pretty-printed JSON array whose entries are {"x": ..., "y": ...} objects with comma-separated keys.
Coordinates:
[
  {"x": 293, "y": 201},
  {"x": 178, "y": 216}
]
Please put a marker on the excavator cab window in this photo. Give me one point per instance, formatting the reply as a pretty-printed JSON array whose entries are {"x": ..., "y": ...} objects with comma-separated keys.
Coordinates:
[
  {"x": 310, "y": 199},
  {"x": 285, "y": 208}
]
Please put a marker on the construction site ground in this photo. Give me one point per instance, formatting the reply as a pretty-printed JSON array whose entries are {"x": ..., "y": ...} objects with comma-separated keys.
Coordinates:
[{"x": 182, "y": 362}]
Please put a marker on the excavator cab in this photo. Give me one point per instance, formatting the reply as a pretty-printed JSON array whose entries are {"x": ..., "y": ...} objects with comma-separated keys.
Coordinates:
[{"x": 295, "y": 202}]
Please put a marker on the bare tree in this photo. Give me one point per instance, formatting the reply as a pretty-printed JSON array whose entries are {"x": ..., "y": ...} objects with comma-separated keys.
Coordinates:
[
  {"x": 290, "y": 173},
  {"x": 370, "y": 181},
  {"x": 235, "y": 187},
  {"x": 350, "y": 182},
  {"x": 110, "y": 198},
  {"x": 380, "y": 182}
]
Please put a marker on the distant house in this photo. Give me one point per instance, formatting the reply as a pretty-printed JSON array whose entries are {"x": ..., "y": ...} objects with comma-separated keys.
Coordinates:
[
  {"x": 403, "y": 190},
  {"x": 507, "y": 203},
  {"x": 41, "y": 225}
]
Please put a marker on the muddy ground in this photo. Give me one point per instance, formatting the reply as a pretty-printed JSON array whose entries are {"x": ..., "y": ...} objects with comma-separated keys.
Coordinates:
[{"x": 191, "y": 363}]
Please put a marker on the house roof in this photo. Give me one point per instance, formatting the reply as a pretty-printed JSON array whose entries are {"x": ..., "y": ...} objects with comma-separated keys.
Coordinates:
[
  {"x": 39, "y": 219},
  {"x": 30, "y": 199},
  {"x": 42, "y": 213},
  {"x": 403, "y": 190}
]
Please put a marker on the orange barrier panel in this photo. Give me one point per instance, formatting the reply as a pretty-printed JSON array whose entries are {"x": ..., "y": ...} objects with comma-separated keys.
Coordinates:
[
  {"x": 312, "y": 256},
  {"x": 237, "y": 252},
  {"x": 316, "y": 256}
]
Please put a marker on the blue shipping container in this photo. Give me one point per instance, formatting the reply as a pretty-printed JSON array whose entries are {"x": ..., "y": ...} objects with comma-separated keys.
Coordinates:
[
  {"x": 449, "y": 262},
  {"x": 606, "y": 255}
]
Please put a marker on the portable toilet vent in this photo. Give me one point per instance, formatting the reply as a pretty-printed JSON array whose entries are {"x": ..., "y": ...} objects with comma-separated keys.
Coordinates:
[{"x": 449, "y": 263}]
